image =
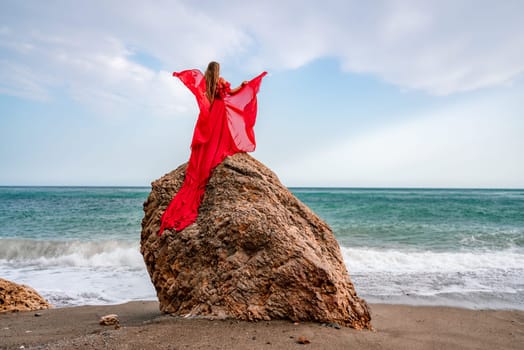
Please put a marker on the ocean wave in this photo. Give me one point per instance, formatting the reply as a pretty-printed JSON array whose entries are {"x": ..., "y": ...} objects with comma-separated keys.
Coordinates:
[
  {"x": 490, "y": 279},
  {"x": 108, "y": 253},
  {"x": 364, "y": 260},
  {"x": 84, "y": 285},
  {"x": 123, "y": 253}
]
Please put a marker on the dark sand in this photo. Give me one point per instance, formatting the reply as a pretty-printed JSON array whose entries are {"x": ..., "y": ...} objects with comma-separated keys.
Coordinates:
[{"x": 144, "y": 327}]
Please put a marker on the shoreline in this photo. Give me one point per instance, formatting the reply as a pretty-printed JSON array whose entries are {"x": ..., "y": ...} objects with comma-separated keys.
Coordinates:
[
  {"x": 410, "y": 301},
  {"x": 143, "y": 326}
]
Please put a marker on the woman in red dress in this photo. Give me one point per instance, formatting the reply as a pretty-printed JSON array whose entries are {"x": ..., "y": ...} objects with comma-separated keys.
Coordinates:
[{"x": 224, "y": 127}]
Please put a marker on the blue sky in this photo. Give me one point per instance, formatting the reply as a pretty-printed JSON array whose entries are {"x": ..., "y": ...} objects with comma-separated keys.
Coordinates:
[{"x": 359, "y": 94}]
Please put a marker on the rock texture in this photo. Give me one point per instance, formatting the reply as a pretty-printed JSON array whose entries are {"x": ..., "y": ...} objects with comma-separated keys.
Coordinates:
[
  {"x": 255, "y": 252},
  {"x": 109, "y": 320},
  {"x": 16, "y": 297}
]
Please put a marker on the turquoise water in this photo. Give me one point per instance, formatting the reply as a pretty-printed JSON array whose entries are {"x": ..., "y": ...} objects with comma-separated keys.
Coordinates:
[
  {"x": 436, "y": 220},
  {"x": 64, "y": 213},
  {"x": 79, "y": 245}
]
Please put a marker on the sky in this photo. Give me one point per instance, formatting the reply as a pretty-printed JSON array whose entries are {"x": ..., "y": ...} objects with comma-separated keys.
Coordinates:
[{"x": 358, "y": 93}]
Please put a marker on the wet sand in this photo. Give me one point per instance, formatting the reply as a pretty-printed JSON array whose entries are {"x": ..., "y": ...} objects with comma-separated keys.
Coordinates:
[{"x": 144, "y": 327}]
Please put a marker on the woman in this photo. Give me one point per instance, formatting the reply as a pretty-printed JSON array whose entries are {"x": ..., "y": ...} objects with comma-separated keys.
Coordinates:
[{"x": 224, "y": 127}]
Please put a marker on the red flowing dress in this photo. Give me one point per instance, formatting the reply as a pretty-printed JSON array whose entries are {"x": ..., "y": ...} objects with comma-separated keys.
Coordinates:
[{"x": 223, "y": 128}]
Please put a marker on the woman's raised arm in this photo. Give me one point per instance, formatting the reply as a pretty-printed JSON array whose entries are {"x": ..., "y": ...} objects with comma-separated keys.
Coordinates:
[{"x": 235, "y": 90}]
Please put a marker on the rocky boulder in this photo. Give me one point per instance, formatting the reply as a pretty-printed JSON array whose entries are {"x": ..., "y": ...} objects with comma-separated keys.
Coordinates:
[
  {"x": 255, "y": 252},
  {"x": 16, "y": 297}
]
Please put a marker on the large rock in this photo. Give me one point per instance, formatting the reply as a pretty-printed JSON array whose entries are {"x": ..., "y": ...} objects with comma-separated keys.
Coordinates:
[
  {"x": 17, "y": 297},
  {"x": 255, "y": 252}
]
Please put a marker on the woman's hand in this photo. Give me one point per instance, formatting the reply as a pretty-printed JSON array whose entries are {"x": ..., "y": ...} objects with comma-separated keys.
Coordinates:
[{"x": 237, "y": 89}]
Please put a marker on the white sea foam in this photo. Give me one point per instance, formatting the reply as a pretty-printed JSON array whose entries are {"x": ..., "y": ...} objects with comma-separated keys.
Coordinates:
[
  {"x": 466, "y": 279},
  {"x": 70, "y": 253},
  {"x": 77, "y": 272},
  {"x": 362, "y": 260},
  {"x": 66, "y": 286}
]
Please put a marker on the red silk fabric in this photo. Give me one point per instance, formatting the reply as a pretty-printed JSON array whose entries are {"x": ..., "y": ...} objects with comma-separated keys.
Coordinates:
[{"x": 222, "y": 129}]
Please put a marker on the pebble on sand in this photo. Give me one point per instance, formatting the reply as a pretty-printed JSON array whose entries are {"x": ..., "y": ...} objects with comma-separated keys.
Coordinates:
[
  {"x": 303, "y": 340},
  {"x": 109, "y": 320}
]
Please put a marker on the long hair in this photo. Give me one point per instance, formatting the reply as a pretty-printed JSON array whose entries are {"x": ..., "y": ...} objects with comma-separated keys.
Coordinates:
[{"x": 212, "y": 75}]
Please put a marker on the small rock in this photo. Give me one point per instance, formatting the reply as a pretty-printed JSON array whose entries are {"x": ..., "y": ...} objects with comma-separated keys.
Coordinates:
[
  {"x": 296, "y": 323},
  {"x": 332, "y": 325},
  {"x": 109, "y": 320},
  {"x": 303, "y": 340},
  {"x": 38, "y": 314}
]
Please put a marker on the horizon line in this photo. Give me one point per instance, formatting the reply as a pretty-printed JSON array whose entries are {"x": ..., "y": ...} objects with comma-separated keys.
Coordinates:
[{"x": 289, "y": 187}]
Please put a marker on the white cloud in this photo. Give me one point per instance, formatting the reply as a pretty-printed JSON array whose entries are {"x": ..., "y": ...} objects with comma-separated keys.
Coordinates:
[
  {"x": 92, "y": 51},
  {"x": 475, "y": 144},
  {"x": 440, "y": 47},
  {"x": 87, "y": 48},
  {"x": 18, "y": 80}
]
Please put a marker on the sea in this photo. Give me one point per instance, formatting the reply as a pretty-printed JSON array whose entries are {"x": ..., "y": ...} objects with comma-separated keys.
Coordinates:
[{"x": 448, "y": 247}]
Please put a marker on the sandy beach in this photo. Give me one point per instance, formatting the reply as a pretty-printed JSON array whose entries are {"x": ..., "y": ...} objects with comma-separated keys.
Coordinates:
[{"x": 144, "y": 327}]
